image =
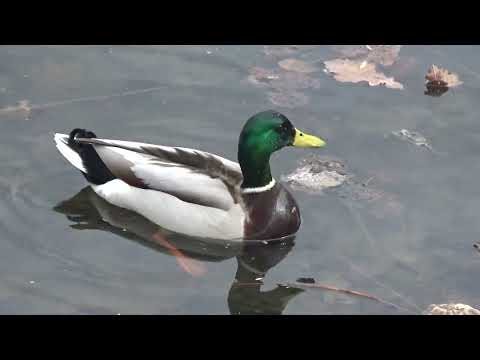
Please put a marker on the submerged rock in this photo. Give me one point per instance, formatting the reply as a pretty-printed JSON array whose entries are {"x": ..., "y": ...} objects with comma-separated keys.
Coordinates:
[
  {"x": 319, "y": 175},
  {"x": 412, "y": 137},
  {"x": 316, "y": 174}
]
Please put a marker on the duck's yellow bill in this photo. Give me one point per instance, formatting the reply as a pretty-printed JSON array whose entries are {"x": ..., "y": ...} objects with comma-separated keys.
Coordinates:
[{"x": 305, "y": 140}]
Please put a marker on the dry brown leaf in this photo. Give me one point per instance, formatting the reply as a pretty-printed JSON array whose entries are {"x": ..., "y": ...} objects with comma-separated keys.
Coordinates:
[
  {"x": 439, "y": 80},
  {"x": 441, "y": 77},
  {"x": 297, "y": 66},
  {"x": 345, "y": 70}
]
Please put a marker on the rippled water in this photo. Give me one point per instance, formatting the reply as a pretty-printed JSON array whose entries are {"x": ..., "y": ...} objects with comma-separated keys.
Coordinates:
[{"x": 406, "y": 235}]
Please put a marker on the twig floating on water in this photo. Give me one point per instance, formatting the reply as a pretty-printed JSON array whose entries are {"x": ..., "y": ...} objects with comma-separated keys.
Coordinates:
[
  {"x": 346, "y": 291},
  {"x": 396, "y": 293},
  {"x": 24, "y": 105}
]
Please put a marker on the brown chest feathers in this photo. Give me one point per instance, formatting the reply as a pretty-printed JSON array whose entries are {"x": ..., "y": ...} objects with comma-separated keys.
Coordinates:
[{"x": 270, "y": 214}]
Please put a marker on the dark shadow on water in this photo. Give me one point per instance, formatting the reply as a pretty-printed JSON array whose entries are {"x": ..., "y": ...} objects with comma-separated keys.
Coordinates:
[{"x": 254, "y": 258}]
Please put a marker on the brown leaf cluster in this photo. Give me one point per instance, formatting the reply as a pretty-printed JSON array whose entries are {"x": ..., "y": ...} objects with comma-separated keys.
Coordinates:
[{"x": 356, "y": 71}]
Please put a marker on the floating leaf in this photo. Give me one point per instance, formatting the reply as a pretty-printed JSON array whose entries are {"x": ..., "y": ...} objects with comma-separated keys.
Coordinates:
[
  {"x": 441, "y": 76},
  {"x": 345, "y": 70},
  {"x": 297, "y": 66},
  {"x": 439, "y": 80}
]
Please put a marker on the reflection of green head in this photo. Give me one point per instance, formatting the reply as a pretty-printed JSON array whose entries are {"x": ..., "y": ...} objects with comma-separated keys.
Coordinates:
[{"x": 262, "y": 135}]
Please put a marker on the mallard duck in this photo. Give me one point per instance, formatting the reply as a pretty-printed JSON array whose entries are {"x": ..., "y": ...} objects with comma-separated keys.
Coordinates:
[{"x": 194, "y": 192}]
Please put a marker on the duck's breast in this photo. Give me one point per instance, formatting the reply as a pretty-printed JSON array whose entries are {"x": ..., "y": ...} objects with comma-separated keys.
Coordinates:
[{"x": 271, "y": 214}]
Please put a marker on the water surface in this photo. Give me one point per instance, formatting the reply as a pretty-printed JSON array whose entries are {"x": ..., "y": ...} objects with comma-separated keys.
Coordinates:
[{"x": 412, "y": 246}]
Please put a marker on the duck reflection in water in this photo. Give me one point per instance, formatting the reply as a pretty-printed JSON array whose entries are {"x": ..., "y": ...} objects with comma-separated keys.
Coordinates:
[{"x": 255, "y": 258}]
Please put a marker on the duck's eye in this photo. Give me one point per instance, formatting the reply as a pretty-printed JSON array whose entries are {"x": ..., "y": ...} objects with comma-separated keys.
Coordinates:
[{"x": 282, "y": 128}]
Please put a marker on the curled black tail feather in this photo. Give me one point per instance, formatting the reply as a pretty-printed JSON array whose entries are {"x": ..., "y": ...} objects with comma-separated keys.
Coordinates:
[{"x": 97, "y": 172}]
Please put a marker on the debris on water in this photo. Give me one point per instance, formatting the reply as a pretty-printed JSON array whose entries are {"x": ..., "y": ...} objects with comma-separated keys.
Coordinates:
[
  {"x": 316, "y": 174},
  {"x": 306, "y": 280},
  {"x": 412, "y": 137},
  {"x": 439, "y": 80},
  {"x": 356, "y": 71},
  {"x": 435, "y": 91},
  {"x": 361, "y": 294},
  {"x": 451, "y": 309},
  {"x": 22, "y": 105},
  {"x": 477, "y": 245},
  {"x": 296, "y": 65},
  {"x": 26, "y": 106},
  {"x": 442, "y": 77}
]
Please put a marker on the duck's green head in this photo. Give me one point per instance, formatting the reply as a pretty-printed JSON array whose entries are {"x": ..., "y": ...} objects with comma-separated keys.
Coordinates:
[{"x": 262, "y": 135}]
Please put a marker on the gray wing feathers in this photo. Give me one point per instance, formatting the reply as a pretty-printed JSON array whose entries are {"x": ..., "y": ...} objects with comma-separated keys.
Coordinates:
[{"x": 191, "y": 175}]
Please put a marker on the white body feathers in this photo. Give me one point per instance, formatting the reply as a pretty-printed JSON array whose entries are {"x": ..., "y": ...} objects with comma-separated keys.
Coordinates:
[{"x": 179, "y": 196}]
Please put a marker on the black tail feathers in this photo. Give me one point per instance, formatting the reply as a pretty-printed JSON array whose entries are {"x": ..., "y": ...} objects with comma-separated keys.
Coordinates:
[{"x": 97, "y": 172}]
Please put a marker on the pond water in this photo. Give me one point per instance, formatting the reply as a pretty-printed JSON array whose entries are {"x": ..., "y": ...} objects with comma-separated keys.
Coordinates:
[{"x": 406, "y": 235}]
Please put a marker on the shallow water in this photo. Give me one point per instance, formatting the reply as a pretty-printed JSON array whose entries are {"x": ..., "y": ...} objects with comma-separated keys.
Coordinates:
[{"x": 412, "y": 245}]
